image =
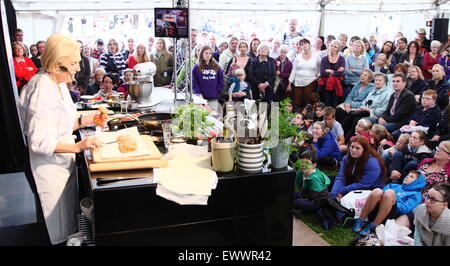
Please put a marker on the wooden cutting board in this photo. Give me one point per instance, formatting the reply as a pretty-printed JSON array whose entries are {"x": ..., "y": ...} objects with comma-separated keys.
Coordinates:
[
  {"x": 148, "y": 142},
  {"x": 128, "y": 165},
  {"x": 153, "y": 160}
]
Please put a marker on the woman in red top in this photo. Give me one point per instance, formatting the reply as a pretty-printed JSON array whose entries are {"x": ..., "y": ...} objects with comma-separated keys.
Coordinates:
[
  {"x": 140, "y": 56},
  {"x": 24, "y": 68},
  {"x": 431, "y": 59}
]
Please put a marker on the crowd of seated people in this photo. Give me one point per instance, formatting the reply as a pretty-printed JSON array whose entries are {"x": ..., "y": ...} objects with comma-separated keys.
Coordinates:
[{"x": 375, "y": 114}]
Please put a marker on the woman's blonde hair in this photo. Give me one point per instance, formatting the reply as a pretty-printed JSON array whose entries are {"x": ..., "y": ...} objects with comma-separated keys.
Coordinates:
[
  {"x": 58, "y": 49},
  {"x": 381, "y": 132},
  {"x": 446, "y": 144},
  {"x": 419, "y": 71},
  {"x": 144, "y": 58},
  {"x": 324, "y": 127}
]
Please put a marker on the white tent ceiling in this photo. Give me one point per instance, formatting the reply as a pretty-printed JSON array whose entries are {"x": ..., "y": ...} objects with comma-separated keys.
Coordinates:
[{"x": 235, "y": 5}]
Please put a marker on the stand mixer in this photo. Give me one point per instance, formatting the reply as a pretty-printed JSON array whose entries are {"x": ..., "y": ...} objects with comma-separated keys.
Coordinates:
[{"x": 141, "y": 87}]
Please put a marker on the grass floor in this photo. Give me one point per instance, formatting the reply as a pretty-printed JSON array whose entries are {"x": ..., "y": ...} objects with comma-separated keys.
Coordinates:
[{"x": 336, "y": 236}]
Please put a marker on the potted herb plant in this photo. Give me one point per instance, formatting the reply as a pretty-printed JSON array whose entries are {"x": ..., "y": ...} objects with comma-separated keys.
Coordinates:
[
  {"x": 286, "y": 135},
  {"x": 191, "y": 120}
]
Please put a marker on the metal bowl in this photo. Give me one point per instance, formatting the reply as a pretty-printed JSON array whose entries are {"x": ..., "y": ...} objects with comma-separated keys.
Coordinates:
[{"x": 140, "y": 91}]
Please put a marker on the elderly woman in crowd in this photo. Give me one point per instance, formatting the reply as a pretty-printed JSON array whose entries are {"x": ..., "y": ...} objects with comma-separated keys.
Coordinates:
[
  {"x": 49, "y": 117},
  {"x": 262, "y": 74},
  {"x": 332, "y": 69},
  {"x": 283, "y": 71},
  {"x": 304, "y": 74},
  {"x": 372, "y": 106},
  {"x": 354, "y": 64},
  {"x": 440, "y": 85},
  {"x": 113, "y": 61},
  {"x": 140, "y": 55},
  {"x": 432, "y": 218},
  {"x": 96, "y": 85},
  {"x": 356, "y": 97},
  {"x": 437, "y": 169},
  {"x": 24, "y": 67},
  {"x": 412, "y": 57},
  {"x": 164, "y": 64},
  {"x": 361, "y": 168},
  {"x": 430, "y": 59}
]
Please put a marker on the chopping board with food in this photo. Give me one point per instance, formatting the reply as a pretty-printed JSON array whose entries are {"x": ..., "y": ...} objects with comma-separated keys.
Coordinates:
[{"x": 126, "y": 149}]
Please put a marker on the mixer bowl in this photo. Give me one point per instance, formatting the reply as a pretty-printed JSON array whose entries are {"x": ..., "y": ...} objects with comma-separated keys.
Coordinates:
[{"x": 140, "y": 91}]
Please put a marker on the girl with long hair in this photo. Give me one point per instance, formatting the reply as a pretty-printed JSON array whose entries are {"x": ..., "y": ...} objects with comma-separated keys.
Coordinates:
[
  {"x": 361, "y": 168},
  {"x": 207, "y": 78}
]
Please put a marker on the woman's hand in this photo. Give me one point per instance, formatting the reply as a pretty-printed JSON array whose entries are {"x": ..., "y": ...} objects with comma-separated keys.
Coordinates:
[
  {"x": 435, "y": 138},
  {"x": 89, "y": 143},
  {"x": 289, "y": 88},
  {"x": 396, "y": 175},
  {"x": 412, "y": 123},
  {"x": 339, "y": 197}
]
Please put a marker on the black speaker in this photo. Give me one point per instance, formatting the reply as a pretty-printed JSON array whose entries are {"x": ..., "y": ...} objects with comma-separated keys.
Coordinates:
[{"x": 440, "y": 29}]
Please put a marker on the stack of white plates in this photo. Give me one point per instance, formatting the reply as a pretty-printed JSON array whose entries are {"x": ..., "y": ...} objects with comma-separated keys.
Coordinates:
[{"x": 251, "y": 157}]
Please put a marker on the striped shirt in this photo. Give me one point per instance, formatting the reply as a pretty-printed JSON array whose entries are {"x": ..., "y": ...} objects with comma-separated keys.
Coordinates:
[{"x": 114, "y": 64}]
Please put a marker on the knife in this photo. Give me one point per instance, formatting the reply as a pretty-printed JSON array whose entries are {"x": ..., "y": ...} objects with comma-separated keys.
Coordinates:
[{"x": 101, "y": 181}]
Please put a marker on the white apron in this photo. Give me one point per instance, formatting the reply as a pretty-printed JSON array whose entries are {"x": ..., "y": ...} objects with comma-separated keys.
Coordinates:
[{"x": 48, "y": 118}]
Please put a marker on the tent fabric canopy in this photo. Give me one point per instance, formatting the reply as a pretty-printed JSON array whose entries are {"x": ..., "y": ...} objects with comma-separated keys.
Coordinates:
[{"x": 251, "y": 5}]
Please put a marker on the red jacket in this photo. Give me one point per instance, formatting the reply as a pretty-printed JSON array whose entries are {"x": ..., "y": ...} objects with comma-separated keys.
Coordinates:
[
  {"x": 428, "y": 63},
  {"x": 332, "y": 83},
  {"x": 23, "y": 75}
]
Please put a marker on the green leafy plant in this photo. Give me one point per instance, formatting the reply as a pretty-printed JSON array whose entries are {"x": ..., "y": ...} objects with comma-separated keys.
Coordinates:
[
  {"x": 285, "y": 127},
  {"x": 191, "y": 120}
]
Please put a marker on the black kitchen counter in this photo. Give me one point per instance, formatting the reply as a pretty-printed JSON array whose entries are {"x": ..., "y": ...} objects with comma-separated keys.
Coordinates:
[{"x": 244, "y": 209}]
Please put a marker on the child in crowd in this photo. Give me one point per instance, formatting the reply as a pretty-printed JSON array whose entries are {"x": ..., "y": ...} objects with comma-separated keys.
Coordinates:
[
  {"x": 310, "y": 108},
  {"x": 329, "y": 117},
  {"x": 303, "y": 143},
  {"x": 290, "y": 107},
  {"x": 388, "y": 153},
  {"x": 362, "y": 128},
  {"x": 239, "y": 88},
  {"x": 311, "y": 183},
  {"x": 391, "y": 202},
  {"x": 318, "y": 114},
  {"x": 409, "y": 157},
  {"x": 378, "y": 133},
  {"x": 380, "y": 64},
  {"x": 74, "y": 93},
  {"x": 300, "y": 122},
  {"x": 127, "y": 77}
]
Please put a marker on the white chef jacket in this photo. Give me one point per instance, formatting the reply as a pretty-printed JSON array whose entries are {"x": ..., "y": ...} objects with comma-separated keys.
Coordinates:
[{"x": 48, "y": 117}]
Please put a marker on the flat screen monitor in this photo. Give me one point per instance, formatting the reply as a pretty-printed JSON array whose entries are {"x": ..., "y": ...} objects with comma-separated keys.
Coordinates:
[{"x": 171, "y": 22}]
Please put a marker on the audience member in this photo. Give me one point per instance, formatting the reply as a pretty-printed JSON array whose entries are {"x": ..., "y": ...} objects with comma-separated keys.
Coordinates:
[
  {"x": 361, "y": 168},
  {"x": 432, "y": 218},
  {"x": 390, "y": 202},
  {"x": 24, "y": 68}
]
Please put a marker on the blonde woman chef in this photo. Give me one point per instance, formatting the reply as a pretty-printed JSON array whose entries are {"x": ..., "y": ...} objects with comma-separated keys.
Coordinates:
[{"x": 49, "y": 117}]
